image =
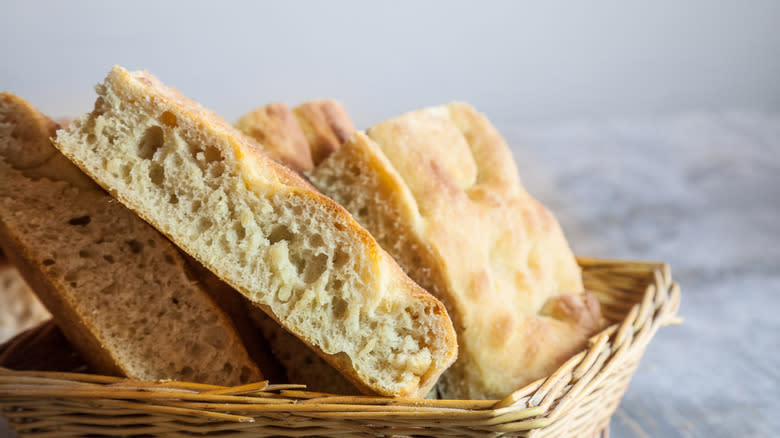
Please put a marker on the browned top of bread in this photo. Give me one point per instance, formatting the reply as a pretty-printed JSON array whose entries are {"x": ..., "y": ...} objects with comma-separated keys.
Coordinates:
[
  {"x": 263, "y": 229},
  {"x": 439, "y": 190},
  {"x": 275, "y": 127},
  {"x": 326, "y": 126},
  {"x": 300, "y": 141}
]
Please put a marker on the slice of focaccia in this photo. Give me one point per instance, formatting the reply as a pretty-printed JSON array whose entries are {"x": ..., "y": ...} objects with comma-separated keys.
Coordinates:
[
  {"x": 439, "y": 191},
  {"x": 264, "y": 230},
  {"x": 119, "y": 290}
]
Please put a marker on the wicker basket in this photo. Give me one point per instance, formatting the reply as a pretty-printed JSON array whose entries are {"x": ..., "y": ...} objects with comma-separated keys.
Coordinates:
[{"x": 575, "y": 401}]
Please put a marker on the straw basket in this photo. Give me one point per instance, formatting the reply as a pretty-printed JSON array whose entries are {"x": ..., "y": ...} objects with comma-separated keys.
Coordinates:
[{"x": 577, "y": 400}]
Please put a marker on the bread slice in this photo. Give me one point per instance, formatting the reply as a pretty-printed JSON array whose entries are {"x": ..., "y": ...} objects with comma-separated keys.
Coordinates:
[
  {"x": 276, "y": 128},
  {"x": 439, "y": 191},
  {"x": 118, "y": 289},
  {"x": 265, "y": 231}
]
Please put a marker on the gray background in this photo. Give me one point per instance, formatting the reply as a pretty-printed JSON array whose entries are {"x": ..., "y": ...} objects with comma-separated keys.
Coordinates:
[
  {"x": 652, "y": 129},
  {"x": 517, "y": 61}
]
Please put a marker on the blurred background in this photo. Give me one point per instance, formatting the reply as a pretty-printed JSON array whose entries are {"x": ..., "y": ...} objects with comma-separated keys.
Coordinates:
[
  {"x": 651, "y": 129},
  {"x": 516, "y": 61}
]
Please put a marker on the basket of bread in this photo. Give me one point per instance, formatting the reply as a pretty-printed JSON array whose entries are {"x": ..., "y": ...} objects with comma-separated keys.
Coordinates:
[{"x": 289, "y": 275}]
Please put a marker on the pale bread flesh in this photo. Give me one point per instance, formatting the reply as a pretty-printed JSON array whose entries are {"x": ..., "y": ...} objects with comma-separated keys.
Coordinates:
[{"x": 265, "y": 231}]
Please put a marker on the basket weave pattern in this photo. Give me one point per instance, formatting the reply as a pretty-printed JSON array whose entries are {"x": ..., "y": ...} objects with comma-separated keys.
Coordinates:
[{"x": 575, "y": 401}]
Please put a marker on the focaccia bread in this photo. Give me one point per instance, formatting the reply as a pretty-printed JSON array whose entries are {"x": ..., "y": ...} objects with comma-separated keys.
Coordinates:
[
  {"x": 439, "y": 191},
  {"x": 119, "y": 290},
  {"x": 264, "y": 230}
]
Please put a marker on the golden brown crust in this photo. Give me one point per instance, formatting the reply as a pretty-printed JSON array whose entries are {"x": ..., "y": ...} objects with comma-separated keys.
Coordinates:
[
  {"x": 326, "y": 126},
  {"x": 275, "y": 128},
  {"x": 582, "y": 311}
]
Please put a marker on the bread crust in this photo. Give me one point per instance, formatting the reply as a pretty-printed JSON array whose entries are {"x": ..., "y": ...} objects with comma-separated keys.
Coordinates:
[
  {"x": 301, "y": 138},
  {"x": 326, "y": 125},
  {"x": 274, "y": 126},
  {"x": 261, "y": 175}
]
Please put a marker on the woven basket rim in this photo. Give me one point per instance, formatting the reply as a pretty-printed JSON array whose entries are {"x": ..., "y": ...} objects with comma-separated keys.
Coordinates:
[{"x": 538, "y": 405}]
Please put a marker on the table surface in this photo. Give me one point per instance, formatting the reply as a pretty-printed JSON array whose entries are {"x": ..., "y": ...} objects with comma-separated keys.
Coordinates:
[{"x": 701, "y": 192}]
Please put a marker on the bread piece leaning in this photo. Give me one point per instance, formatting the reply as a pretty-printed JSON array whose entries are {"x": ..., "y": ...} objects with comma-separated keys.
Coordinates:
[
  {"x": 439, "y": 191},
  {"x": 118, "y": 289},
  {"x": 265, "y": 231}
]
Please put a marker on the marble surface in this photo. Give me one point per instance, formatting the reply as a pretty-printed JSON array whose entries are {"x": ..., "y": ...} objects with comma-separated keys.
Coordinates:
[{"x": 701, "y": 192}]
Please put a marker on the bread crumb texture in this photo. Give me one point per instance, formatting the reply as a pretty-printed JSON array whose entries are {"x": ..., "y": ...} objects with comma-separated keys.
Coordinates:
[{"x": 264, "y": 230}]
